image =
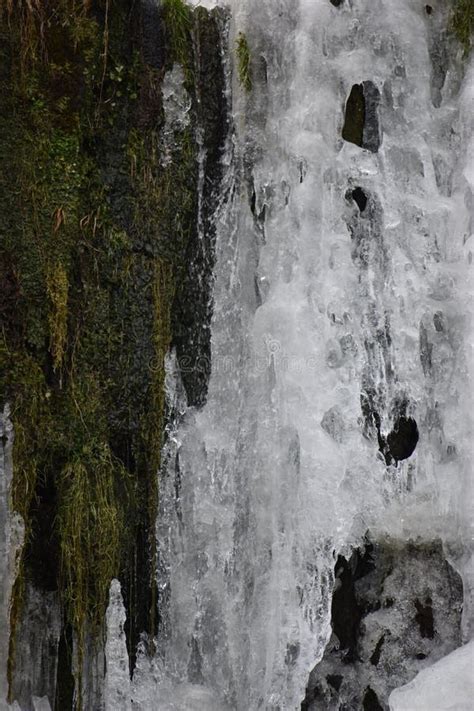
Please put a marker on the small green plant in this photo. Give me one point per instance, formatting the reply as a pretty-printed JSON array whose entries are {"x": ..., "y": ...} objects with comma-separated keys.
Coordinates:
[
  {"x": 57, "y": 287},
  {"x": 178, "y": 21},
  {"x": 462, "y": 23},
  {"x": 244, "y": 62}
]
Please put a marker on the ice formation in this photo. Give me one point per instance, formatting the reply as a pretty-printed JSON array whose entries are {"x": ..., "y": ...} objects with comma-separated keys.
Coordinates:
[
  {"x": 117, "y": 677},
  {"x": 339, "y": 402},
  {"x": 11, "y": 540},
  {"x": 342, "y": 275},
  {"x": 446, "y": 686}
]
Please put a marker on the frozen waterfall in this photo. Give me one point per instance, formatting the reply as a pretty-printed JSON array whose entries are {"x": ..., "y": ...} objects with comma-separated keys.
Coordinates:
[
  {"x": 314, "y": 525},
  {"x": 342, "y": 313}
]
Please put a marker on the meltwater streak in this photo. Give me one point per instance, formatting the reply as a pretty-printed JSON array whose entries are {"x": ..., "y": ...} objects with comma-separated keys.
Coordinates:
[{"x": 308, "y": 315}]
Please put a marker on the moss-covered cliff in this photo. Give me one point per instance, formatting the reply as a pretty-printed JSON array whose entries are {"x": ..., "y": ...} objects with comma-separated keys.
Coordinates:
[{"x": 100, "y": 261}]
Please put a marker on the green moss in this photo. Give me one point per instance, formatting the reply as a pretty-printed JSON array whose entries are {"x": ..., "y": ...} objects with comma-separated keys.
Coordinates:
[
  {"x": 462, "y": 23},
  {"x": 244, "y": 66},
  {"x": 178, "y": 21},
  {"x": 90, "y": 525},
  {"x": 57, "y": 287},
  {"x": 93, "y": 238}
]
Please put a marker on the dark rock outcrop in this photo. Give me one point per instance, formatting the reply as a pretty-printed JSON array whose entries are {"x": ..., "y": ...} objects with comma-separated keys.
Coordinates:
[
  {"x": 361, "y": 123},
  {"x": 396, "y": 609}
]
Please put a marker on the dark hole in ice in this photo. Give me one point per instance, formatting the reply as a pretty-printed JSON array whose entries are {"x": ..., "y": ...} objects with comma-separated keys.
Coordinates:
[
  {"x": 42, "y": 554},
  {"x": 253, "y": 202},
  {"x": 346, "y": 614},
  {"x": 438, "y": 321},
  {"x": 361, "y": 123},
  {"x": 334, "y": 680},
  {"x": 428, "y": 9},
  {"x": 336, "y": 3},
  {"x": 360, "y": 198},
  {"x": 371, "y": 701},
  {"x": 424, "y": 618},
  {"x": 353, "y": 130},
  {"x": 375, "y": 658},
  {"x": 421, "y": 656},
  {"x": 389, "y": 602},
  {"x": 403, "y": 439},
  {"x": 263, "y": 69}
]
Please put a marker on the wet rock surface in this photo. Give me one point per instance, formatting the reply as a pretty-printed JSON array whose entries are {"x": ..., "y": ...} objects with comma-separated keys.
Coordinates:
[
  {"x": 192, "y": 310},
  {"x": 396, "y": 609},
  {"x": 354, "y": 119},
  {"x": 403, "y": 439},
  {"x": 36, "y": 646},
  {"x": 361, "y": 123}
]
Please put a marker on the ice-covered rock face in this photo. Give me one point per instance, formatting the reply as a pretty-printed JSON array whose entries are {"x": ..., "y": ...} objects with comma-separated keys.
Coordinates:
[
  {"x": 339, "y": 398},
  {"x": 396, "y": 609},
  {"x": 117, "y": 678},
  {"x": 11, "y": 541}
]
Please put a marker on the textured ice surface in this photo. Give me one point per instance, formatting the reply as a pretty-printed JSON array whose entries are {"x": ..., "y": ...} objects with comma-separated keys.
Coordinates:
[
  {"x": 446, "y": 686},
  {"x": 37, "y": 638},
  {"x": 11, "y": 540},
  {"x": 176, "y": 107},
  {"x": 318, "y": 302},
  {"x": 396, "y": 610},
  {"x": 342, "y": 274},
  {"x": 117, "y": 692},
  {"x": 41, "y": 703}
]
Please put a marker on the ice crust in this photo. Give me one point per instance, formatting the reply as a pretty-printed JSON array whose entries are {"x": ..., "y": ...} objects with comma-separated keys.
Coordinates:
[
  {"x": 11, "y": 541},
  {"x": 274, "y": 474},
  {"x": 448, "y": 685},
  {"x": 117, "y": 691}
]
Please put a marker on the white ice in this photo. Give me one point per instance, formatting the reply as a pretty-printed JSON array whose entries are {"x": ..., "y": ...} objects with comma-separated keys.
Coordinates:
[
  {"x": 266, "y": 496},
  {"x": 117, "y": 692},
  {"x": 448, "y": 685}
]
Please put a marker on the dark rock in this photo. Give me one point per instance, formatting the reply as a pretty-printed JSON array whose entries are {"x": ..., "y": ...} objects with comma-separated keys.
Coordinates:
[
  {"x": 360, "y": 198},
  {"x": 152, "y": 34},
  {"x": 361, "y": 124},
  {"x": 375, "y": 658},
  {"x": 336, "y": 3},
  {"x": 65, "y": 679},
  {"x": 192, "y": 311},
  {"x": 334, "y": 680},
  {"x": 403, "y": 439},
  {"x": 438, "y": 51},
  {"x": 424, "y": 618},
  {"x": 346, "y": 614},
  {"x": 426, "y": 351},
  {"x": 371, "y": 134},
  {"x": 375, "y": 646},
  {"x": 371, "y": 701},
  {"x": 353, "y": 130}
]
